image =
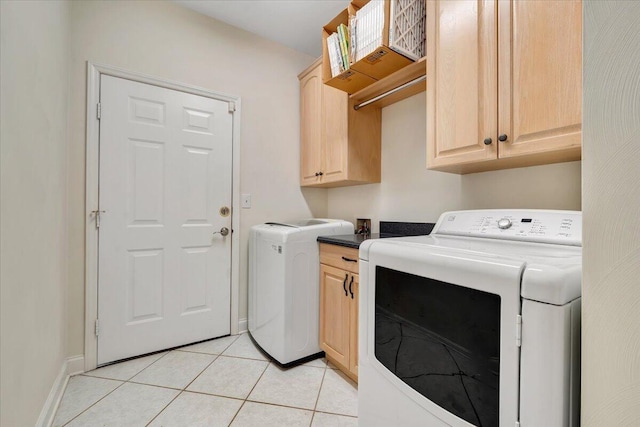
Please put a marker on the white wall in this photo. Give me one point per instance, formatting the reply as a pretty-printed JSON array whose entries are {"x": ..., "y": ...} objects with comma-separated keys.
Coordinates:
[
  {"x": 410, "y": 192},
  {"x": 611, "y": 203},
  {"x": 33, "y": 133},
  {"x": 165, "y": 40}
]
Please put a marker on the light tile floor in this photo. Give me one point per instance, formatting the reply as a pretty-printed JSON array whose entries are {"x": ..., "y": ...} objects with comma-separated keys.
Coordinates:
[{"x": 222, "y": 382}]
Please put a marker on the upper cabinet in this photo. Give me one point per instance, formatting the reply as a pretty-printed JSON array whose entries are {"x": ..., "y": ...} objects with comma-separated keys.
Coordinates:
[
  {"x": 339, "y": 146},
  {"x": 504, "y": 83}
]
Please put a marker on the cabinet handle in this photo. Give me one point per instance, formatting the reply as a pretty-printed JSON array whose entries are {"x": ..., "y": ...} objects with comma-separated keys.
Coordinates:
[
  {"x": 349, "y": 259},
  {"x": 488, "y": 141},
  {"x": 503, "y": 137},
  {"x": 320, "y": 173},
  {"x": 317, "y": 174},
  {"x": 350, "y": 287},
  {"x": 344, "y": 284}
]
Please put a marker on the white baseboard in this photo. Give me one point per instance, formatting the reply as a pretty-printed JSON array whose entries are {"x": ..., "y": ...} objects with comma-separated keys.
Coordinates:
[
  {"x": 242, "y": 326},
  {"x": 53, "y": 400},
  {"x": 75, "y": 365},
  {"x": 71, "y": 366}
]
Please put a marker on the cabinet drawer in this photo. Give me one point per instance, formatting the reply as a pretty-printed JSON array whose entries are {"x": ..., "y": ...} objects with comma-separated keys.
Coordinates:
[{"x": 340, "y": 257}]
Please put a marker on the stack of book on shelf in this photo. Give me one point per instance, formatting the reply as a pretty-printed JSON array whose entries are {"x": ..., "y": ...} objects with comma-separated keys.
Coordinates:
[
  {"x": 363, "y": 36},
  {"x": 340, "y": 56},
  {"x": 369, "y": 23},
  {"x": 358, "y": 48}
]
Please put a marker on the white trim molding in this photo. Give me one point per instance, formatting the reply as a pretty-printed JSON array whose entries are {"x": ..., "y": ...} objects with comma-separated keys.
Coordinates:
[
  {"x": 94, "y": 71},
  {"x": 70, "y": 367},
  {"x": 242, "y": 326},
  {"x": 75, "y": 365},
  {"x": 50, "y": 407}
]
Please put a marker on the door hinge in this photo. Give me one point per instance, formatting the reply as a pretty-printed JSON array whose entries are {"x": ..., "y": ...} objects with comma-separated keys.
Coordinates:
[
  {"x": 519, "y": 330},
  {"x": 97, "y": 327},
  {"x": 99, "y": 111},
  {"x": 96, "y": 214},
  {"x": 232, "y": 106}
]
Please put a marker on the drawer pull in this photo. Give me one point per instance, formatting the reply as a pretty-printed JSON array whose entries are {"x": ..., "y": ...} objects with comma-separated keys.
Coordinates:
[
  {"x": 351, "y": 287},
  {"x": 349, "y": 259},
  {"x": 344, "y": 284}
]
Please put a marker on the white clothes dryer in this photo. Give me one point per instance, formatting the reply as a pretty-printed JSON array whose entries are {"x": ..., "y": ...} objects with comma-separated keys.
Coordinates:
[
  {"x": 477, "y": 324},
  {"x": 284, "y": 287}
]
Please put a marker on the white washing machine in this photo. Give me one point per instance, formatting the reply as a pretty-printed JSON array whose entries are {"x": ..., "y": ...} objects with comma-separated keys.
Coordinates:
[
  {"x": 284, "y": 288},
  {"x": 477, "y": 324}
]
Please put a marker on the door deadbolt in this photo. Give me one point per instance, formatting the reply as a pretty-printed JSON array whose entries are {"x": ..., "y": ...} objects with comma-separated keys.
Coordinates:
[
  {"x": 224, "y": 231},
  {"x": 224, "y": 211}
]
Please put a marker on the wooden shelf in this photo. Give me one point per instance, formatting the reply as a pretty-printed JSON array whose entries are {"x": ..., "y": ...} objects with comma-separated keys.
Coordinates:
[{"x": 400, "y": 77}]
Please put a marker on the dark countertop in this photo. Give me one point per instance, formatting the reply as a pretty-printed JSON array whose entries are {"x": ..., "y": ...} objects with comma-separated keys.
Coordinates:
[
  {"x": 387, "y": 229},
  {"x": 350, "y": 240}
]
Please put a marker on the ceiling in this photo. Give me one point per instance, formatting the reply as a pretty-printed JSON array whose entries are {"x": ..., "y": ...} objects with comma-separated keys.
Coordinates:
[{"x": 293, "y": 23}]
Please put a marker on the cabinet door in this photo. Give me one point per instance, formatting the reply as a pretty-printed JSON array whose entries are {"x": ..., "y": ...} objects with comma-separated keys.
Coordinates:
[
  {"x": 334, "y": 134},
  {"x": 311, "y": 126},
  {"x": 540, "y": 69},
  {"x": 335, "y": 311},
  {"x": 353, "y": 353},
  {"x": 461, "y": 81}
]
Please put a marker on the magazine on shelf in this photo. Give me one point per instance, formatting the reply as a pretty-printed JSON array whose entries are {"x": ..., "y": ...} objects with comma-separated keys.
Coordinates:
[
  {"x": 343, "y": 37},
  {"x": 335, "y": 57}
]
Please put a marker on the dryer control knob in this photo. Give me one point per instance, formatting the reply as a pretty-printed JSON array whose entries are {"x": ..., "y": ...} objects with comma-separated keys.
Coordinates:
[{"x": 504, "y": 223}]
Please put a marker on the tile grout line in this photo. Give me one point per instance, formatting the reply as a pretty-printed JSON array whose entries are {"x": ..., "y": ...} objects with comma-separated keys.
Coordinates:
[
  {"x": 146, "y": 367},
  {"x": 94, "y": 403},
  {"x": 249, "y": 394},
  {"x": 201, "y": 372},
  {"x": 313, "y": 415},
  {"x": 184, "y": 348},
  {"x": 103, "y": 397},
  {"x": 128, "y": 378},
  {"x": 288, "y": 406},
  {"x": 165, "y": 407},
  {"x": 123, "y": 382},
  {"x": 222, "y": 396},
  {"x": 184, "y": 389},
  {"x": 339, "y": 415},
  {"x": 128, "y": 381},
  {"x": 282, "y": 406},
  {"x": 236, "y": 357}
]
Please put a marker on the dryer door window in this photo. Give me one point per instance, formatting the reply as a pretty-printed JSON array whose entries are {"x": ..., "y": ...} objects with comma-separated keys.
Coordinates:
[{"x": 442, "y": 340}]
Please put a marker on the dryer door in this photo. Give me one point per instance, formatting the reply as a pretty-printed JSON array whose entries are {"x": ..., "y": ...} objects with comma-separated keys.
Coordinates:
[{"x": 441, "y": 327}]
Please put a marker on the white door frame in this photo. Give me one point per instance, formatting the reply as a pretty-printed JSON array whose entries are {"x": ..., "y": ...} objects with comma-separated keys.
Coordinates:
[{"x": 94, "y": 71}]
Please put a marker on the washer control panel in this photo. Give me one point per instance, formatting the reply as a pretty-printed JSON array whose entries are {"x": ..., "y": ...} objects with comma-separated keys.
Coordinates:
[{"x": 543, "y": 226}]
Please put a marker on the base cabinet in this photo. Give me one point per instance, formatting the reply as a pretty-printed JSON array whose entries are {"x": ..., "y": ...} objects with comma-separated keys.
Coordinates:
[{"x": 339, "y": 307}]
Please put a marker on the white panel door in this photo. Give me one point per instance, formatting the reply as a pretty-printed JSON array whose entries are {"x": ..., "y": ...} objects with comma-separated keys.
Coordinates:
[{"x": 165, "y": 172}]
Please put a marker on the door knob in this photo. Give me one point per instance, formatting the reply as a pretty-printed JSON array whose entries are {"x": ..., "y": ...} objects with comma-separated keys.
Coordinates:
[
  {"x": 487, "y": 141},
  {"x": 503, "y": 137},
  {"x": 224, "y": 231}
]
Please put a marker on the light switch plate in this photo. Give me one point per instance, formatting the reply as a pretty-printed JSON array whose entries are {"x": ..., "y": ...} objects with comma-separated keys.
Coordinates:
[{"x": 245, "y": 201}]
